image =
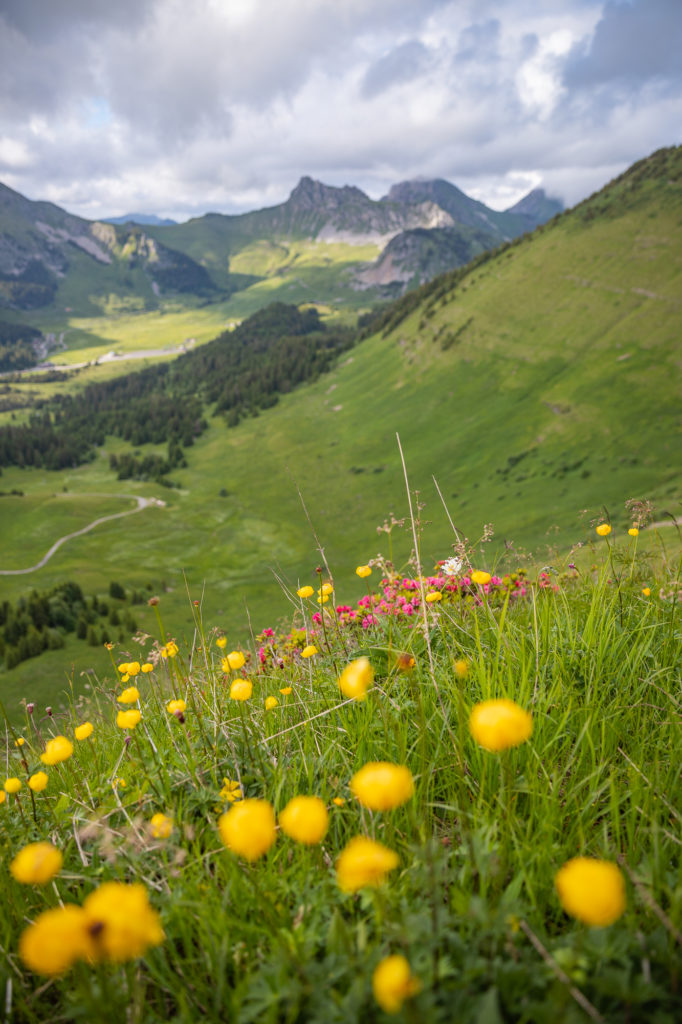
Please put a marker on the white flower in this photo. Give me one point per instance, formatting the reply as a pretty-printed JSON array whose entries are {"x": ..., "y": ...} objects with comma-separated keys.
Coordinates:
[{"x": 452, "y": 566}]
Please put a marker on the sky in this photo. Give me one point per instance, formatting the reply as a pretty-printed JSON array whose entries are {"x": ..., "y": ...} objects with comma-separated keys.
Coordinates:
[{"x": 177, "y": 108}]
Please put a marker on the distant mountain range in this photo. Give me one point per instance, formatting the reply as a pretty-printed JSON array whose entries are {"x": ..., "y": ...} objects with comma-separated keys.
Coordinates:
[
  {"x": 52, "y": 259},
  {"x": 140, "y": 218}
]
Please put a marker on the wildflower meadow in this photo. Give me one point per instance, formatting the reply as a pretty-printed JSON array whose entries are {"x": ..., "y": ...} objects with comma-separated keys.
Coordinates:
[{"x": 454, "y": 799}]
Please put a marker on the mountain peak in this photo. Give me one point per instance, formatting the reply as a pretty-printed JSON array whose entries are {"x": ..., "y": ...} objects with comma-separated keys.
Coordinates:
[
  {"x": 310, "y": 194},
  {"x": 537, "y": 205}
]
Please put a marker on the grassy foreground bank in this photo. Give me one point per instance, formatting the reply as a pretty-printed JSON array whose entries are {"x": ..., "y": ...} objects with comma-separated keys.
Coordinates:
[{"x": 235, "y": 918}]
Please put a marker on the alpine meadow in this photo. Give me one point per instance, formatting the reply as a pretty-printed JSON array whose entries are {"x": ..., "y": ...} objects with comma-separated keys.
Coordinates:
[{"x": 339, "y": 609}]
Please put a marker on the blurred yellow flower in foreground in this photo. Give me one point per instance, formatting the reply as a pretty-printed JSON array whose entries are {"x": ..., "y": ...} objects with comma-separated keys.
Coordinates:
[
  {"x": 81, "y": 732},
  {"x": 12, "y": 785},
  {"x": 500, "y": 724},
  {"x": 129, "y": 696},
  {"x": 56, "y": 750},
  {"x": 241, "y": 689},
  {"x": 364, "y": 862},
  {"x": 305, "y": 591},
  {"x": 128, "y": 719},
  {"x": 480, "y": 577},
  {"x": 38, "y": 782},
  {"x": 55, "y": 940},
  {"x": 36, "y": 864},
  {"x": 604, "y": 529},
  {"x": 381, "y": 785},
  {"x": 305, "y": 819},
  {"x": 233, "y": 661},
  {"x": 393, "y": 983},
  {"x": 161, "y": 825},
  {"x": 121, "y": 922},
  {"x": 248, "y": 828},
  {"x": 356, "y": 679},
  {"x": 363, "y": 571},
  {"x": 591, "y": 890}
]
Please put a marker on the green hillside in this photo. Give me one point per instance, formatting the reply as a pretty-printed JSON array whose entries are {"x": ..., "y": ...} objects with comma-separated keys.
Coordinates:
[{"x": 538, "y": 384}]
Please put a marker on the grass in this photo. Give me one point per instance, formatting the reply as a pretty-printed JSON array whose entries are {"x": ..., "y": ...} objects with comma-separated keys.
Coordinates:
[{"x": 472, "y": 904}]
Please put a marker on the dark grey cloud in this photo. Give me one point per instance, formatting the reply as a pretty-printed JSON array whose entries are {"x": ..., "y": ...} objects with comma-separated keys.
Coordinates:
[
  {"x": 402, "y": 64},
  {"x": 49, "y": 20},
  {"x": 632, "y": 43}
]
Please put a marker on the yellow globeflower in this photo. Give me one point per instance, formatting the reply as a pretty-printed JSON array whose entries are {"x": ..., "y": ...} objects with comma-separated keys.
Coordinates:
[
  {"x": 363, "y": 571},
  {"x": 121, "y": 921},
  {"x": 285, "y": 691},
  {"x": 270, "y": 703},
  {"x": 364, "y": 862},
  {"x": 81, "y": 732},
  {"x": 646, "y": 591},
  {"x": 591, "y": 890},
  {"x": 19, "y": 742},
  {"x": 221, "y": 642},
  {"x": 500, "y": 724},
  {"x": 13, "y": 785},
  {"x": 161, "y": 825},
  {"x": 169, "y": 650},
  {"x": 133, "y": 668},
  {"x": 309, "y": 651},
  {"x": 326, "y": 589},
  {"x": 393, "y": 983},
  {"x": 241, "y": 689},
  {"x": 604, "y": 529},
  {"x": 128, "y": 719},
  {"x": 381, "y": 785},
  {"x": 129, "y": 696},
  {"x": 356, "y": 679},
  {"x": 3, "y": 796},
  {"x": 480, "y": 577},
  {"x": 323, "y": 598},
  {"x": 147, "y": 667},
  {"x": 461, "y": 668},
  {"x": 55, "y": 940},
  {"x": 56, "y": 750},
  {"x": 433, "y": 596},
  {"x": 233, "y": 661},
  {"x": 36, "y": 864},
  {"x": 248, "y": 828},
  {"x": 305, "y": 591},
  {"x": 633, "y": 531},
  {"x": 175, "y": 706},
  {"x": 38, "y": 782},
  {"x": 123, "y": 668},
  {"x": 305, "y": 819}
]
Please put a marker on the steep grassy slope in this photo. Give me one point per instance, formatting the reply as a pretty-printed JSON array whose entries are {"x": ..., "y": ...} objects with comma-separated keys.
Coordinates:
[{"x": 542, "y": 383}]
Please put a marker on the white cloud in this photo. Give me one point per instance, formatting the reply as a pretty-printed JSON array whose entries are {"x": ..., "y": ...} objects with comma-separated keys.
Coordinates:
[{"x": 139, "y": 106}]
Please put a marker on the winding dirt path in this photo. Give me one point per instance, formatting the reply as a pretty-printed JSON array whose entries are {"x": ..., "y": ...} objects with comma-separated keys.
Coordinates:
[{"x": 141, "y": 503}]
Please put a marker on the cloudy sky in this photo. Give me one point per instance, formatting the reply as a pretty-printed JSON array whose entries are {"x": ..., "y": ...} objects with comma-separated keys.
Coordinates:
[{"x": 176, "y": 107}]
